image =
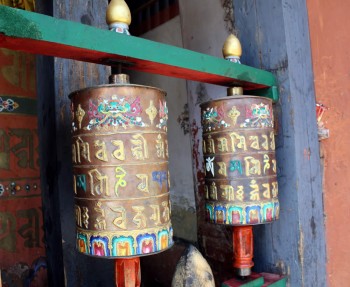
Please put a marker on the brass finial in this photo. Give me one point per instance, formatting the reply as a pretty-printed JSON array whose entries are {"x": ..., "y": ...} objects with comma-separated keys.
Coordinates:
[
  {"x": 234, "y": 91},
  {"x": 118, "y": 16},
  {"x": 232, "y": 49}
]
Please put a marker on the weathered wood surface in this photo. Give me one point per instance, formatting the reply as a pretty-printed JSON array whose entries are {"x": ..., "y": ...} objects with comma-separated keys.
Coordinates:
[
  {"x": 55, "y": 37},
  {"x": 295, "y": 244}
]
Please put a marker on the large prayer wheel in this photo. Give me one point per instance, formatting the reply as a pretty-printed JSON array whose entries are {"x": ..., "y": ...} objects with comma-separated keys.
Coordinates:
[
  {"x": 120, "y": 166},
  {"x": 239, "y": 153}
]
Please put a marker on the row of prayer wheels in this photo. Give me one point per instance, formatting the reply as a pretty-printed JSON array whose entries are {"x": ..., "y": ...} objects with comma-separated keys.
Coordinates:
[{"x": 120, "y": 162}]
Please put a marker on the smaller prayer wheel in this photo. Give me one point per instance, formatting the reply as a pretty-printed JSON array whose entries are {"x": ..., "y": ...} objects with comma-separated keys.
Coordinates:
[
  {"x": 120, "y": 170},
  {"x": 239, "y": 153},
  {"x": 241, "y": 186}
]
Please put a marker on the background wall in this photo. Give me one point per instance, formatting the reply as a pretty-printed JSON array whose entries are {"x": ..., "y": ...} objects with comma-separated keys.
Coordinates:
[
  {"x": 329, "y": 22},
  {"x": 180, "y": 158}
]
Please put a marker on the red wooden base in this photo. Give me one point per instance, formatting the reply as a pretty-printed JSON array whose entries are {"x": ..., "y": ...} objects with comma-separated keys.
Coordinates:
[
  {"x": 127, "y": 272},
  {"x": 243, "y": 249}
]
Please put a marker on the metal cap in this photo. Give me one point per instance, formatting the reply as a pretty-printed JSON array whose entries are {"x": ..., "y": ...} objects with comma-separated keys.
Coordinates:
[{"x": 119, "y": 79}]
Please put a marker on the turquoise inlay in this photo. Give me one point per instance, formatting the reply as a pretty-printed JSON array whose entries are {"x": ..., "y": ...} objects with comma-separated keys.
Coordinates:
[
  {"x": 122, "y": 240},
  {"x": 143, "y": 243},
  {"x": 217, "y": 209},
  {"x": 81, "y": 181},
  {"x": 209, "y": 209},
  {"x": 253, "y": 214},
  {"x": 99, "y": 246},
  {"x": 161, "y": 234},
  {"x": 268, "y": 207},
  {"x": 236, "y": 165},
  {"x": 233, "y": 211},
  {"x": 82, "y": 238}
]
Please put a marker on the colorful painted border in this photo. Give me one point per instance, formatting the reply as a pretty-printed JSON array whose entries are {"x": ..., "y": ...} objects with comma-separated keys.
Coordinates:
[
  {"x": 124, "y": 244},
  {"x": 236, "y": 214}
]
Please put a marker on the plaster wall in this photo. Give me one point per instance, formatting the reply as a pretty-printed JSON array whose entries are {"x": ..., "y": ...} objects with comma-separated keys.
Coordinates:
[
  {"x": 180, "y": 160},
  {"x": 329, "y": 22}
]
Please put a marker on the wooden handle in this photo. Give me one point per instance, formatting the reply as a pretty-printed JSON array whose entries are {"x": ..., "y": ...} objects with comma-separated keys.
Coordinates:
[
  {"x": 243, "y": 249},
  {"x": 128, "y": 272}
]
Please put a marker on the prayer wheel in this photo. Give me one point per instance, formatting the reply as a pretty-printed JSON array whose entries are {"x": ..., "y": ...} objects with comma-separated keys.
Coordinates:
[
  {"x": 120, "y": 169},
  {"x": 239, "y": 153}
]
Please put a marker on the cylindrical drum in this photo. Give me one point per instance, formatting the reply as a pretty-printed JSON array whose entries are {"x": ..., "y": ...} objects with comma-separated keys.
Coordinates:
[
  {"x": 120, "y": 166},
  {"x": 239, "y": 157}
]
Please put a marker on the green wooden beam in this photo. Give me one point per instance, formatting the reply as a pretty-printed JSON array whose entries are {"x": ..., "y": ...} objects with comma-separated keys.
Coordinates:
[{"x": 40, "y": 34}]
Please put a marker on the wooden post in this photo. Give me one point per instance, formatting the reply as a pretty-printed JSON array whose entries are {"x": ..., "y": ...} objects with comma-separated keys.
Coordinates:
[{"x": 128, "y": 272}]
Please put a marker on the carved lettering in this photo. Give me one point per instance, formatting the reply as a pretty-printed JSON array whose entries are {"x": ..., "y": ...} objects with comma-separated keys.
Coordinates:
[
  {"x": 156, "y": 214},
  {"x": 206, "y": 192},
  {"x": 274, "y": 168},
  {"x": 209, "y": 165},
  {"x": 238, "y": 142},
  {"x": 222, "y": 144},
  {"x": 120, "y": 173},
  {"x": 166, "y": 149},
  {"x": 252, "y": 166},
  {"x": 254, "y": 193},
  {"x": 267, "y": 192},
  {"x": 227, "y": 192},
  {"x": 213, "y": 191},
  {"x": 78, "y": 218},
  {"x": 143, "y": 185},
  {"x": 236, "y": 165},
  {"x": 255, "y": 142},
  {"x": 274, "y": 189},
  {"x": 101, "y": 219},
  {"x": 240, "y": 193},
  {"x": 98, "y": 182},
  {"x": 101, "y": 153},
  {"x": 139, "y": 149},
  {"x": 222, "y": 168},
  {"x": 119, "y": 152},
  {"x": 265, "y": 144},
  {"x": 120, "y": 220},
  {"x": 166, "y": 211},
  {"x": 160, "y": 177},
  {"x": 210, "y": 145},
  {"x": 139, "y": 219},
  {"x": 85, "y": 217},
  {"x": 272, "y": 137},
  {"x": 81, "y": 181},
  {"x": 266, "y": 163},
  {"x": 83, "y": 150},
  {"x": 160, "y": 147}
]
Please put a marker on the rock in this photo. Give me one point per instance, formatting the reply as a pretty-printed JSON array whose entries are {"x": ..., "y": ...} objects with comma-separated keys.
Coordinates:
[{"x": 193, "y": 270}]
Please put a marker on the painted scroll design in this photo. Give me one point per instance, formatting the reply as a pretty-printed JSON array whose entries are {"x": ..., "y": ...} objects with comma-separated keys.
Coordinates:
[
  {"x": 213, "y": 118},
  {"x": 8, "y": 105},
  {"x": 258, "y": 116},
  {"x": 116, "y": 112}
]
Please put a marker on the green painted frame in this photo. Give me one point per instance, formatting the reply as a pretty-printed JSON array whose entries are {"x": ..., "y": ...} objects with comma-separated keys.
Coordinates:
[{"x": 40, "y": 34}]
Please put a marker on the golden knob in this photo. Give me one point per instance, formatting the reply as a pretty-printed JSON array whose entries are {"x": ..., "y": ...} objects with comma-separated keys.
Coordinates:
[
  {"x": 118, "y": 11},
  {"x": 232, "y": 47}
]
